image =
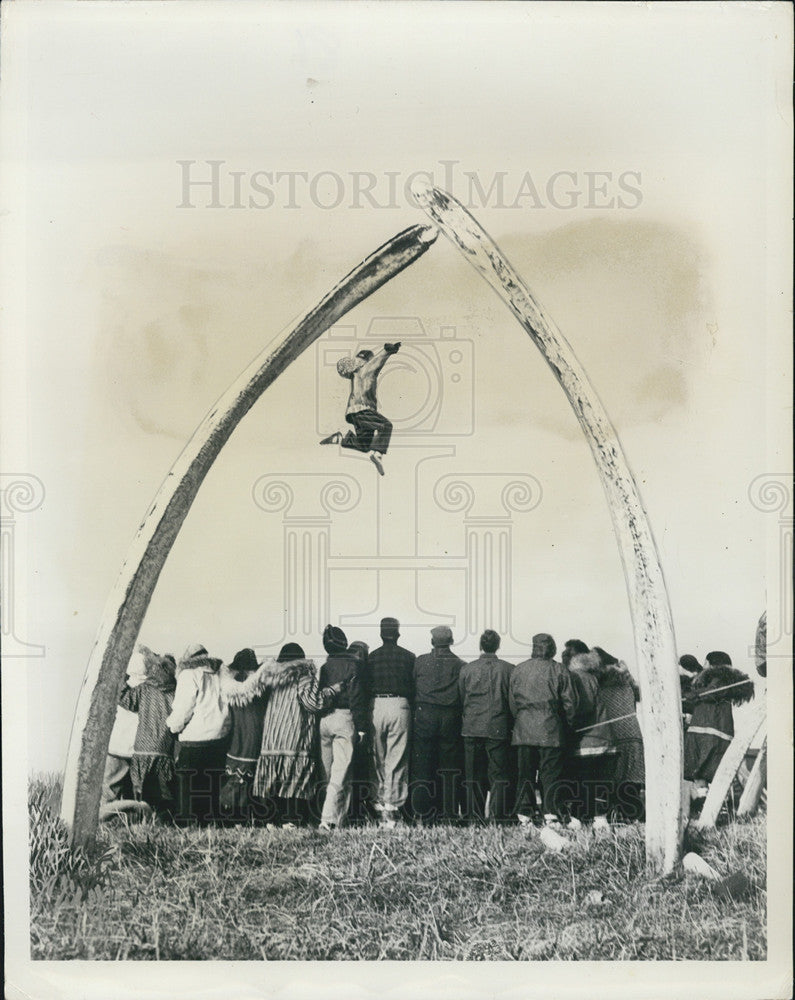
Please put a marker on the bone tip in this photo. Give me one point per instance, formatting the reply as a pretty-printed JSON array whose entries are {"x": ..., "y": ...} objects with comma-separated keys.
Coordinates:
[
  {"x": 422, "y": 189},
  {"x": 427, "y": 235}
]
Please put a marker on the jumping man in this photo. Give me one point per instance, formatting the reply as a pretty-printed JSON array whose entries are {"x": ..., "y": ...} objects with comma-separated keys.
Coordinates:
[{"x": 371, "y": 429}]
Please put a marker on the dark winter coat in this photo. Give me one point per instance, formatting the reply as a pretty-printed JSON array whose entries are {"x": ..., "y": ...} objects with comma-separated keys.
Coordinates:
[
  {"x": 242, "y": 693},
  {"x": 347, "y": 669},
  {"x": 711, "y": 728},
  {"x": 484, "y": 687},
  {"x": 543, "y": 703}
]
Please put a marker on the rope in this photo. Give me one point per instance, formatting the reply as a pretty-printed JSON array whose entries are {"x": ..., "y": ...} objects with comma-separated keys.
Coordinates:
[
  {"x": 709, "y": 691},
  {"x": 606, "y": 722},
  {"x": 629, "y": 715}
]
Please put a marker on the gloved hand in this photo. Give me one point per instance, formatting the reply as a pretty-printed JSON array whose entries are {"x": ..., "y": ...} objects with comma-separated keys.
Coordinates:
[{"x": 392, "y": 348}]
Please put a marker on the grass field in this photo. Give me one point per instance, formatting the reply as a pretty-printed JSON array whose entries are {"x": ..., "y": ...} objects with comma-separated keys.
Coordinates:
[{"x": 155, "y": 892}]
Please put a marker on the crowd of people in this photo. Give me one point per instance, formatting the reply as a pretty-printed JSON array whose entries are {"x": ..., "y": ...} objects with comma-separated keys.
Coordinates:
[{"x": 386, "y": 736}]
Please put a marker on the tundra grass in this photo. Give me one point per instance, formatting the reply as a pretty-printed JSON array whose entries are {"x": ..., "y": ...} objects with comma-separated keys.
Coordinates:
[{"x": 155, "y": 892}]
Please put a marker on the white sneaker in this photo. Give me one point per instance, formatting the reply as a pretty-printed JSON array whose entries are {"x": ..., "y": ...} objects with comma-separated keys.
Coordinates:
[
  {"x": 375, "y": 458},
  {"x": 523, "y": 820}
]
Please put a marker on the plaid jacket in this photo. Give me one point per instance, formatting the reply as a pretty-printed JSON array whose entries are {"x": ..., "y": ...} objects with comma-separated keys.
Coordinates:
[{"x": 391, "y": 671}]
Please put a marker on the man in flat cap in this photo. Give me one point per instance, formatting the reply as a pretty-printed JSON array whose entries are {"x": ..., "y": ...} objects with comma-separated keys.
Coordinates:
[
  {"x": 390, "y": 671},
  {"x": 436, "y": 737}
]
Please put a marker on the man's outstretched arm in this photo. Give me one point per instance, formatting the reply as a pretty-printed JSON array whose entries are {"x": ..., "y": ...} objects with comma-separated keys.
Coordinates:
[{"x": 376, "y": 363}]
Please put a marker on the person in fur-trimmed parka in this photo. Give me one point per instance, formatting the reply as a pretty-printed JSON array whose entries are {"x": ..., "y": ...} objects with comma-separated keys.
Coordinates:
[
  {"x": 152, "y": 764},
  {"x": 201, "y": 718},
  {"x": 711, "y": 728},
  {"x": 286, "y": 769},
  {"x": 241, "y": 690},
  {"x": 619, "y": 695},
  {"x": 592, "y": 752}
]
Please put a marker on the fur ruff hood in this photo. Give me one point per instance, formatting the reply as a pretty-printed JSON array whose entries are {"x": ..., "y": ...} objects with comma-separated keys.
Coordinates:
[
  {"x": 160, "y": 671},
  {"x": 272, "y": 674},
  {"x": 240, "y": 693},
  {"x": 588, "y": 663},
  {"x": 610, "y": 675},
  {"x": 199, "y": 663},
  {"x": 720, "y": 677},
  {"x": 618, "y": 675}
]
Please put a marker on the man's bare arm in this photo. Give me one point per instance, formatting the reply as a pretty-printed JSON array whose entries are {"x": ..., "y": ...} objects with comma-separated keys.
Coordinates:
[{"x": 375, "y": 364}]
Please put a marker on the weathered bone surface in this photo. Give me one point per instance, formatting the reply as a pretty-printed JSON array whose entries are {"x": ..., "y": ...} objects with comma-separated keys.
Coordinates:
[
  {"x": 749, "y": 800},
  {"x": 130, "y": 597},
  {"x": 655, "y": 647},
  {"x": 730, "y": 764}
]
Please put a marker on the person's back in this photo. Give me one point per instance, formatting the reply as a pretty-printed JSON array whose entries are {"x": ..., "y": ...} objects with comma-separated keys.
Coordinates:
[
  {"x": 339, "y": 726},
  {"x": 484, "y": 685},
  {"x": 391, "y": 671},
  {"x": 200, "y": 717},
  {"x": 436, "y": 736},
  {"x": 542, "y": 701},
  {"x": 152, "y": 763},
  {"x": 711, "y": 728},
  {"x": 544, "y": 704},
  {"x": 343, "y": 667},
  {"x": 240, "y": 685},
  {"x": 436, "y": 678},
  {"x": 154, "y": 707},
  {"x": 391, "y": 685}
]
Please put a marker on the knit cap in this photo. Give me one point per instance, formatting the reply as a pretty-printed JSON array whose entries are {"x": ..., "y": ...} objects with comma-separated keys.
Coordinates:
[{"x": 334, "y": 640}]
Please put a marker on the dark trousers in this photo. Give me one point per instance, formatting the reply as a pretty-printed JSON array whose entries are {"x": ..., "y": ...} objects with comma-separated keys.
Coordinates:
[
  {"x": 593, "y": 787},
  {"x": 487, "y": 769},
  {"x": 629, "y": 802},
  {"x": 200, "y": 768},
  {"x": 546, "y": 766},
  {"x": 435, "y": 762},
  {"x": 361, "y": 808},
  {"x": 371, "y": 431}
]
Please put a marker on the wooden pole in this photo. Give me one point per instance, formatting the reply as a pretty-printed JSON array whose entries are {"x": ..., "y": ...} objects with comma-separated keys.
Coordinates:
[
  {"x": 728, "y": 767},
  {"x": 129, "y": 599},
  {"x": 655, "y": 646},
  {"x": 752, "y": 792}
]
